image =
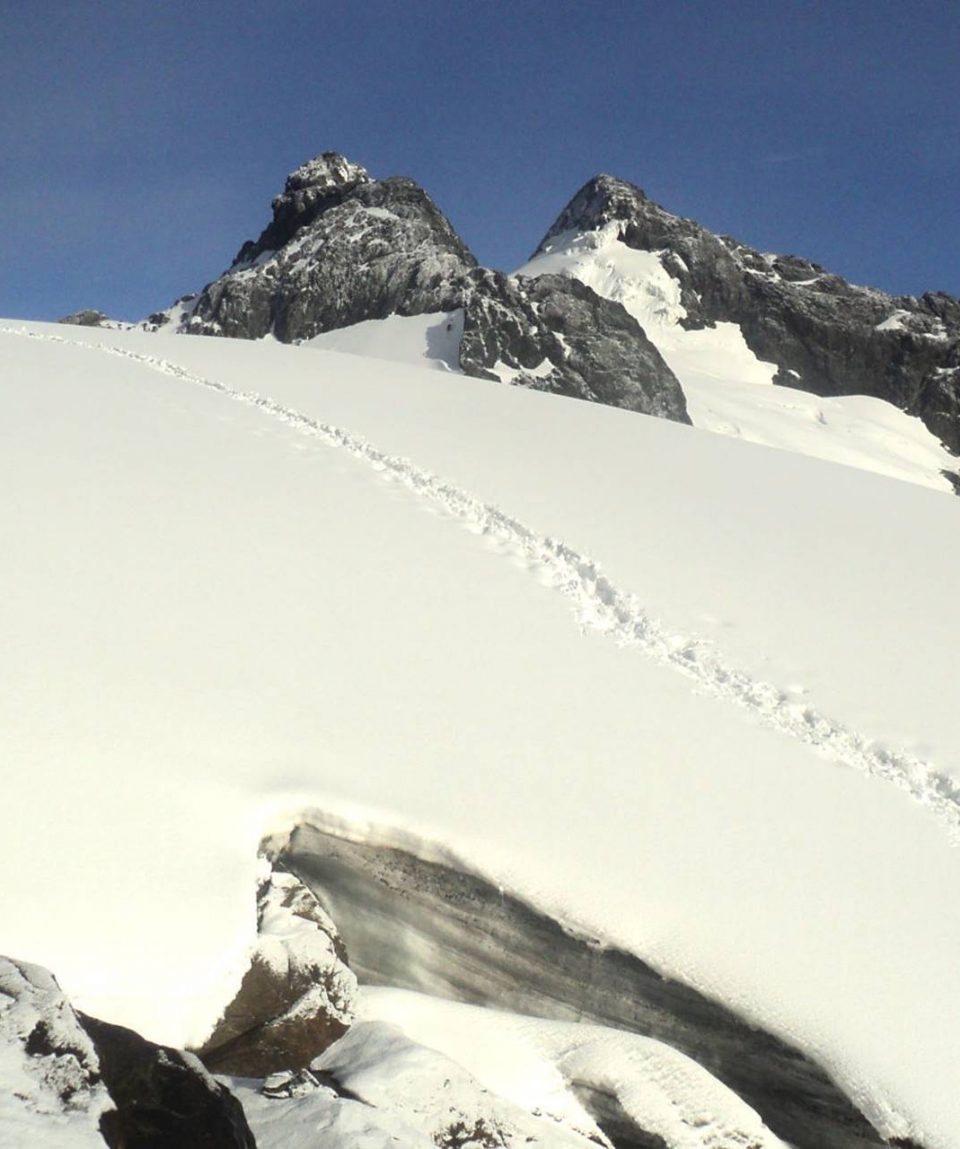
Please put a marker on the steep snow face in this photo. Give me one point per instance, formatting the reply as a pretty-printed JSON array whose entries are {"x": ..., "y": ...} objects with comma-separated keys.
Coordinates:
[
  {"x": 251, "y": 578},
  {"x": 726, "y": 385}
]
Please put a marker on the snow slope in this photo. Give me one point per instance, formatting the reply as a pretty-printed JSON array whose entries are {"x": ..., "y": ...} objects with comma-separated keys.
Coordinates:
[
  {"x": 236, "y": 590},
  {"x": 728, "y": 389}
]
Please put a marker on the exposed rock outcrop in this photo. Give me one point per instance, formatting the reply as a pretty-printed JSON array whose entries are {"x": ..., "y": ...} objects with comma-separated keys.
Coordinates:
[
  {"x": 337, "y": 252},
  {"x": 533, "y": 330},
  {"x": 51, "y": 1086},
  {"x": 827, "y": 336},
  {"x": 298, "y": 995}
]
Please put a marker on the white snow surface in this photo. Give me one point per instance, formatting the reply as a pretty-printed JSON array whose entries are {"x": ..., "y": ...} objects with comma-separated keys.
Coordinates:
[
  {"x": 536, "y": 1063},
  {"x": 232, "y": 589},
  {"x": 319, "y": 1119},
  {"x": 728, "y": 388},
  {"x": 380, "y": 1065},
  {"x": 431, "y": 340}
]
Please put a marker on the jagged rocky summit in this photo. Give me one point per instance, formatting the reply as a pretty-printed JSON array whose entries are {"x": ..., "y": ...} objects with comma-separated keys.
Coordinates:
[
  {"x": 343, "y": 248},
  {"x": 825, "y": 335}
]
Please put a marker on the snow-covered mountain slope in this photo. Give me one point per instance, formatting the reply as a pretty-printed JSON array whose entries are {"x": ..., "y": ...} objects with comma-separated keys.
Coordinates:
[
  {"x": 373, "y": 267},
  {"x": 824, "y": 335},
  {"x": 728, "y": 388},
  {"x": 251, "y": 579}
]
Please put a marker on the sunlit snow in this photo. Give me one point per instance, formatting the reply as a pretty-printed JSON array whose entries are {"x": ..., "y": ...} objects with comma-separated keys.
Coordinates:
[{"x": 246, "y": 578}]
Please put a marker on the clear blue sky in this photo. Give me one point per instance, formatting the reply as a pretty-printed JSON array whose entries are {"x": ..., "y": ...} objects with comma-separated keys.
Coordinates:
[{"x": 141, "y": 143}]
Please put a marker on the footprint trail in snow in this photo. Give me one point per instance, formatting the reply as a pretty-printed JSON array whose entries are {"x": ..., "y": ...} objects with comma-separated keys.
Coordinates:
[{"x": 599, "y": 605}]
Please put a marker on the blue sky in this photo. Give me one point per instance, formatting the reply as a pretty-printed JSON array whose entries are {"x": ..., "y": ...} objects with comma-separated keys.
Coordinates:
[{"x": 141, "y": 143}]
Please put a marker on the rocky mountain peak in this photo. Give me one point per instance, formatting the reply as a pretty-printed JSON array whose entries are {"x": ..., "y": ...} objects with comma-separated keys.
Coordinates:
[
  {"x": 606, "y": 200},
  {"x": 309, "y": 190},
  {"x": 825, "y": 335},
  {"x": 326, "y": 172},
  {"x": 343, "y": 249}
]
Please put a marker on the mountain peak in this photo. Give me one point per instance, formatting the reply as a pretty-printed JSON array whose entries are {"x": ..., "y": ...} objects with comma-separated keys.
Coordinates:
[
  {"x": 308, "y": 191},
  {"x": 325, "y": 172},
  {"x": 601, "y": 200}
]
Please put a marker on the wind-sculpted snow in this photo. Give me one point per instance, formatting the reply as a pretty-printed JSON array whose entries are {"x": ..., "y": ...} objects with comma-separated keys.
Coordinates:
[{"x": 599, "y": 605}]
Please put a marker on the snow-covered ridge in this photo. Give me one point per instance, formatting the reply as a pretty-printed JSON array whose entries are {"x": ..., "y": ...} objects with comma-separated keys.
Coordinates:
[{"x": 727, "y": 387}]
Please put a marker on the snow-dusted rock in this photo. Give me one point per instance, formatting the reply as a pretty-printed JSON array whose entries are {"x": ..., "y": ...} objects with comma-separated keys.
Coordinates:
[
  {"x": 88, "y": 317},
  {"x": 298, "y": 994},
  {"x": 378, "y": 1064},
  {"x": 51, "y": 1089},
  {"x": 555, "y": 334},
  {"x": 823, "y": 334},
  {"x": 341, "y": 248},
  {"x": 72, "y": 1082}
]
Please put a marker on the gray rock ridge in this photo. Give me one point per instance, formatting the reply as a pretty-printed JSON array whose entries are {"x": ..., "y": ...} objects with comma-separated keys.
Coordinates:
[
  {"x": 826, "y": 335},
  {"x": 428, "y": 927},
  {"x": 343, "y": 248},
  {"x": 88, "y": 317}
]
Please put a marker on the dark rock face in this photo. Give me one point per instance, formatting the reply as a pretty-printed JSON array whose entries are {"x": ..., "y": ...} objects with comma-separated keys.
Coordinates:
[
  {"x": 164, "y": 1098},
  {"x": 592, "y": 347},
  {"x": 336, "y": 255},
  {"x": 296, "y": 998},
  {"x": 343, "y": 248},
  {"x": 826, "y": 336},
  {"x": 427, "y": 927},
  {"x": 86, "y": 318}
]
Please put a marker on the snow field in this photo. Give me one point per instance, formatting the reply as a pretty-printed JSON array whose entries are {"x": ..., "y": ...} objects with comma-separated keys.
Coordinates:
[{"x": 314, "y": 639}]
